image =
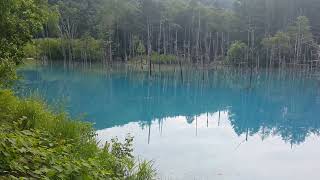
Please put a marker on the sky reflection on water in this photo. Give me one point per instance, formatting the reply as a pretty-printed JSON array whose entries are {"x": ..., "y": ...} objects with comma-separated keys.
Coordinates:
[{"x": 208, "y": 148}]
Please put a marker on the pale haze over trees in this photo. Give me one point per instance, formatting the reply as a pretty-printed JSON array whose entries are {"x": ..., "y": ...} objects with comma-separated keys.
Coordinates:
[{"x": 274, "y": 32}]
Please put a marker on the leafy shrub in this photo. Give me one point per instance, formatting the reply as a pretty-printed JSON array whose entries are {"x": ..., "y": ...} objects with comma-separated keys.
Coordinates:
[
  {"x": 36, "y": 142},
  {"x": 37, "y": 154},
  {"x": 164, "y": 59},
  {"x": 157, "y": 59},
  {"x": 86, "y": 48},
  {"x": 236, "y": 52},
  {"x": 30, "y": 50},
  {"x": 19, "y": 20},
  {"x": 7, "y": 73},
  {"x": 50, "y": 48}
]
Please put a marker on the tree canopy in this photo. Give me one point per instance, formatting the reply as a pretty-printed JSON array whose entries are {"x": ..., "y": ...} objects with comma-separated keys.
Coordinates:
[
  {"x": 195, "y": 31},
  {"x": 19, "y": 21}
]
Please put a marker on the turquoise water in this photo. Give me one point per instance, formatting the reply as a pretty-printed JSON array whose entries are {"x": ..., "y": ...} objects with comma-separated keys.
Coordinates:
[{"x": 221, "y": 124}]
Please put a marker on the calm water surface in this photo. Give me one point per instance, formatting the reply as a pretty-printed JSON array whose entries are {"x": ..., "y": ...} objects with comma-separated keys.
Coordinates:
[{"x": 218, "y": 125}]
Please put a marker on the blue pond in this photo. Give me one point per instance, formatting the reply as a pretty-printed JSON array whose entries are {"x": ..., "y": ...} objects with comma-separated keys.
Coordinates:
[{"x": 220, "y": 124}]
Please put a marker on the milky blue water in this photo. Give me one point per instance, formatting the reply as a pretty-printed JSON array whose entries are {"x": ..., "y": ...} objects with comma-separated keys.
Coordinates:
[{"x": 221, "y": 124}]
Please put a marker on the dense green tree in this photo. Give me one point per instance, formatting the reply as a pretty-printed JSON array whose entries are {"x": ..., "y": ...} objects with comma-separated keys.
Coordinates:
[
  {"x": 19, "y": 21},
  {"x": 279, "y": 45},
  {"x": 237, "y": 52}
]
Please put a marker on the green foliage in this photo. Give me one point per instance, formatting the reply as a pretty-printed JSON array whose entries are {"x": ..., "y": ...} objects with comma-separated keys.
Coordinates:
[
  {"x": 37, "y": 143},
  {"x": 293, "y": 42},
  {"x": 52, "y": 26},
  {"x": 200, "y": 27},
  {"x": 163, "y": 59},
  {"x": 49, "y": 47},
  {"x": 19, "y": 21},
  {"x": 39, "y": 116},
  {"x": 301, "y": 28},
  {"x": 30, "y": 50},
  {"x": 280, "y": 41},
  {"x": 36, "y": 154},
  {"x": 88, "y": 48},
  {"x": 7, "y": 73},
  {"x": 141, "y": 48},
  {"x": 54, "y": 48},
  {"x": 157, "y": 58},
  {"x": 237, "y": 51}
]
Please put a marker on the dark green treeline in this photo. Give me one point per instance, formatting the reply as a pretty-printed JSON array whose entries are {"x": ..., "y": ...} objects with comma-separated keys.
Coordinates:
[{"x": 269, "y": 33}]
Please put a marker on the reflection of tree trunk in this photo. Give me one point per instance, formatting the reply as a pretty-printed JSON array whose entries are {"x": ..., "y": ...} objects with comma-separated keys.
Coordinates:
[
  {"x": 181, "y": 73},
  {"x": 64, "y": 52},
  {"x": 247, "y": 134},
  {"x": 248, "y": 39},
  {"x": 184, "y": 45},
  {"x": 207, "y": 119},
  {"x": 149, "y": 133},
  {"x": 69, "y": 51},
  {"x": 196, "y": 126},
  {"x": 219, "y": 119}
]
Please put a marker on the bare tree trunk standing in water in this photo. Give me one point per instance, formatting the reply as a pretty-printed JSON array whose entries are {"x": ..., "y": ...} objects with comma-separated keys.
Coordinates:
[
  {"x": 63, "y": 49},
  {"x": 198, "y": 39},
  {"x": 164, "y": 42},
  {"x": 177, "y": 54},
  {"x": 159, "y": 44},
  {"x": 110, "y": 51},
  {"x": 67, "y": 31},
  {"x": 149, "y": 46}
]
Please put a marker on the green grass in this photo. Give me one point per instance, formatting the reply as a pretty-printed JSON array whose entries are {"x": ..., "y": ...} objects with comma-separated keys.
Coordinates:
[{"x": 38, "y": 143}]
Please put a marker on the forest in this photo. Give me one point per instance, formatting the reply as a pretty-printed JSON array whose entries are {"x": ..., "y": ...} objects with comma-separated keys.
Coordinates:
[{"x": 251, "y": 33}]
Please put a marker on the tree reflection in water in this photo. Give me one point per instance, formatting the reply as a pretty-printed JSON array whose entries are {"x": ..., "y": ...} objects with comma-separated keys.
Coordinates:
[{"x": 282, "y": 103}]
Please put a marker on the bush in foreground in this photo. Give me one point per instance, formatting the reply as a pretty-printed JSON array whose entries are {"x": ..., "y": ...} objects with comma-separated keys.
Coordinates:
[{"x": 37, "y": 143}]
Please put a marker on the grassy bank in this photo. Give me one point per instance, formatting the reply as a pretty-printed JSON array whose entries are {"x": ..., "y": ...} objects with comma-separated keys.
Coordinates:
[{"x": 36, "y": 142}]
